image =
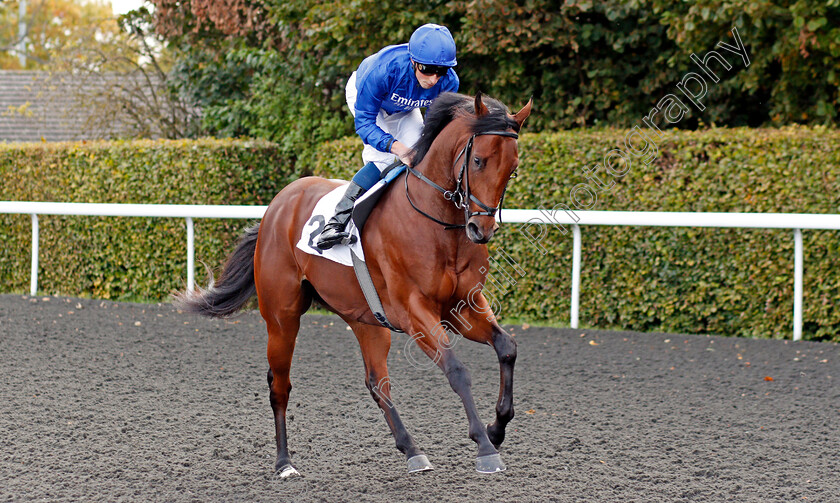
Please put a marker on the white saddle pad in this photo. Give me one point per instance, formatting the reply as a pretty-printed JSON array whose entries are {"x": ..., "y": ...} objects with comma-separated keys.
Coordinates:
[{"x": 321, "y": 214}]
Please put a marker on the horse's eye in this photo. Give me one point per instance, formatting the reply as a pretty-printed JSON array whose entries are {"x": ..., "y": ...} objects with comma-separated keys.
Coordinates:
[
  {"x": 477, "y": 162},
  {"x": 514, "y": 174}
]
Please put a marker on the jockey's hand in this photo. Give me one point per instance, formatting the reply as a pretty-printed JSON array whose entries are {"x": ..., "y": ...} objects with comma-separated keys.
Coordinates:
[{"x": 401, "y": 151}]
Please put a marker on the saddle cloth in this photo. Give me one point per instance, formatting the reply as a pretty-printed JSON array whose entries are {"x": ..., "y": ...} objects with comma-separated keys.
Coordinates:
[
  {"x": 321, "y": 214},
  {"x": 324, "y": 210}
]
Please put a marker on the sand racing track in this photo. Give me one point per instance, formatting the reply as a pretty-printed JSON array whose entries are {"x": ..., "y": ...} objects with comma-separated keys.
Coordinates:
[{"x": 105, "y": 401}]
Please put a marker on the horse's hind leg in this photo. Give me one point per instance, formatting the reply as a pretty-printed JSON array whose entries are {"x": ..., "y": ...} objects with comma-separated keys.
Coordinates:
[
  {"x": 281, "y": 345},
  {"x": 375, "y": 343},
  {"x": 282, "y": 324}
]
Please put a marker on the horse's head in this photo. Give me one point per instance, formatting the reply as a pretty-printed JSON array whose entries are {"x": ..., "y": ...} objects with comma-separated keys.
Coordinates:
[
  {"x": 490, "y": 159},
  {"x": 480, "y": 135}
]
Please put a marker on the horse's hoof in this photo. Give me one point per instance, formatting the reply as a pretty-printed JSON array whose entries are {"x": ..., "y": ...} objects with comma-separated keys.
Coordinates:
[
  {"x": 419, "y": 463},
  {"x": 287, "y": 471},
  {"x": 491, "y": 463}
]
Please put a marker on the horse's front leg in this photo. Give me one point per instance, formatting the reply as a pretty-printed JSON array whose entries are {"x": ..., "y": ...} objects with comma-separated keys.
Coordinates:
[
  {"x": 476, "y": 321},
  {"x": 430, "y": 334},
  {"x": 375, "y": 342},
  {"x": 505, "y": 348}
]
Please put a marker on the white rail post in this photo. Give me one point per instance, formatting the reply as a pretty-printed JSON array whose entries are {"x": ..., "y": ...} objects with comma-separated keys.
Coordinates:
[
  {"x": 575, "y": 275},
  {"x": 33, "y": 281},
  {"x": 190, "y": 255},
  {"x": 797, "y": 284}
]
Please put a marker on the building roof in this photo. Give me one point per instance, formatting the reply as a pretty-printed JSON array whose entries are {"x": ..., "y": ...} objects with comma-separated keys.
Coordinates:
[
  {"x": 43, "y": 106},
  {"x": 35, "y": 107}
]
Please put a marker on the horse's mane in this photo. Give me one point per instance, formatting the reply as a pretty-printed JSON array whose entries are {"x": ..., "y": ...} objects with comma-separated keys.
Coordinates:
[{"x": 448, "y": 106}]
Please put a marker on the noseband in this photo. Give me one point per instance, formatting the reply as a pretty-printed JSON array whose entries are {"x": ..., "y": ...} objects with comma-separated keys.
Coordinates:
[{"x": 461, "y": 196}]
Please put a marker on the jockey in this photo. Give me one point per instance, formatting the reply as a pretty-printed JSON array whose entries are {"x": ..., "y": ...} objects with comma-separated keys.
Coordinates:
[{"x": 385, "y": 95}]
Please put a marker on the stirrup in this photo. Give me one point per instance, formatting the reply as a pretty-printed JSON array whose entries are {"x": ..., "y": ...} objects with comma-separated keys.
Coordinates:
[
  {"x": 339, "y": 221},
  {"x": 342, "y": 238}
]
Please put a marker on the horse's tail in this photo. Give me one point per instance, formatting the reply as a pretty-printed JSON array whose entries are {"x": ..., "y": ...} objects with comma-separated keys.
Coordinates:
[{"x": 235, "y": 286}]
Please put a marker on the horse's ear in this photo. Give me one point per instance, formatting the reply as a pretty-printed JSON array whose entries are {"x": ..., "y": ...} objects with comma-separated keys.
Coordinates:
[
  {"x": 523, "y": 114},
  {"x": 480, "y": 108}
]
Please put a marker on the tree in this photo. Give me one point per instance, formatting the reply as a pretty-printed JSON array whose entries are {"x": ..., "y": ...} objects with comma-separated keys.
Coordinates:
[
  {"x": 116, "y": 69},
  {"x": 127, "y": 84},
  {"x": 276, "y": 69},
  {"x": 794, "y": 76},
  {"x": 52, "y": 25}
]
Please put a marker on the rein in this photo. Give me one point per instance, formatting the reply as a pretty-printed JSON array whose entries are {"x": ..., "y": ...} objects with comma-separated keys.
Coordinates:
[{"x": 461, "y": 196}]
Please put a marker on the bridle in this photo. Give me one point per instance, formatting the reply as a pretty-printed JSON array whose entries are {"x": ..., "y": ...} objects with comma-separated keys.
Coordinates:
[{"x": 462, "y": 196}]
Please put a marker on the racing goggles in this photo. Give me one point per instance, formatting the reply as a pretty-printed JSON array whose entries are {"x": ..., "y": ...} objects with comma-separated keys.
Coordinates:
[{"x": 430, "y": 70}]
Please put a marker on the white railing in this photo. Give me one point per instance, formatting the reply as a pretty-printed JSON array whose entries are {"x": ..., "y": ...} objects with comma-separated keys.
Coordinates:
[
  {"x": 185, "y": 211},
  {"x": 793, "y": 221}
]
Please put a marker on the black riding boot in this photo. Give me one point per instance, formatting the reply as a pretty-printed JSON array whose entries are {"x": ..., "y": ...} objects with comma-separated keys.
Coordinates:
[{"x": 334, "y": 233}]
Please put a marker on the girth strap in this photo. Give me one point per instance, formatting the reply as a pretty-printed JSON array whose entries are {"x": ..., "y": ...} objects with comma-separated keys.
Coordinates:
[{"x": 369, "y": 290}]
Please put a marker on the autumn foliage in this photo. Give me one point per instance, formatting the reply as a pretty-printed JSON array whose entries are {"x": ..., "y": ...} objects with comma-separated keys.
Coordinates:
[{"x": 585, "y": 62}]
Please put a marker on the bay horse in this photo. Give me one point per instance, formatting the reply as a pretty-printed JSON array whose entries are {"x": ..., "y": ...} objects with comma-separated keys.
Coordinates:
[{"x": 426, "y": 253}]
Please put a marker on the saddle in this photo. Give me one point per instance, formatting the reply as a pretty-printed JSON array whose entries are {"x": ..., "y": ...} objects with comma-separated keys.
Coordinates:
[
  {"x": 351, "y": 254},
  {"x": 366, "y": 203}
]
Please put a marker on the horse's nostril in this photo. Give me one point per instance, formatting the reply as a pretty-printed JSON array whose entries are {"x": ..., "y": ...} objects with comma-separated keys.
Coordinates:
[{"x": 474, "y": 230}]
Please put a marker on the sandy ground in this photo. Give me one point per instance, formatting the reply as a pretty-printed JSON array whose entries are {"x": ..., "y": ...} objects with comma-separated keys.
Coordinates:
[{"x": 105, "y": 401}]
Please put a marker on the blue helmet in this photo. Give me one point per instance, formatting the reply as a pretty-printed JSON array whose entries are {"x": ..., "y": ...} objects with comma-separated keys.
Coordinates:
[{"x": 432, "y": 44}]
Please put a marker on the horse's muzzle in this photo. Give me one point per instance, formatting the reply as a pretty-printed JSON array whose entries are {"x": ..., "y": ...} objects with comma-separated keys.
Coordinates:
[{"x": 478, "y": 234}]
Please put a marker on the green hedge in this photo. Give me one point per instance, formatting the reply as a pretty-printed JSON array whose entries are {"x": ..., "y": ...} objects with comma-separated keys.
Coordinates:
[
  {"x": 128, "y": 258},
  {"x": 724, "y": 281}
]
